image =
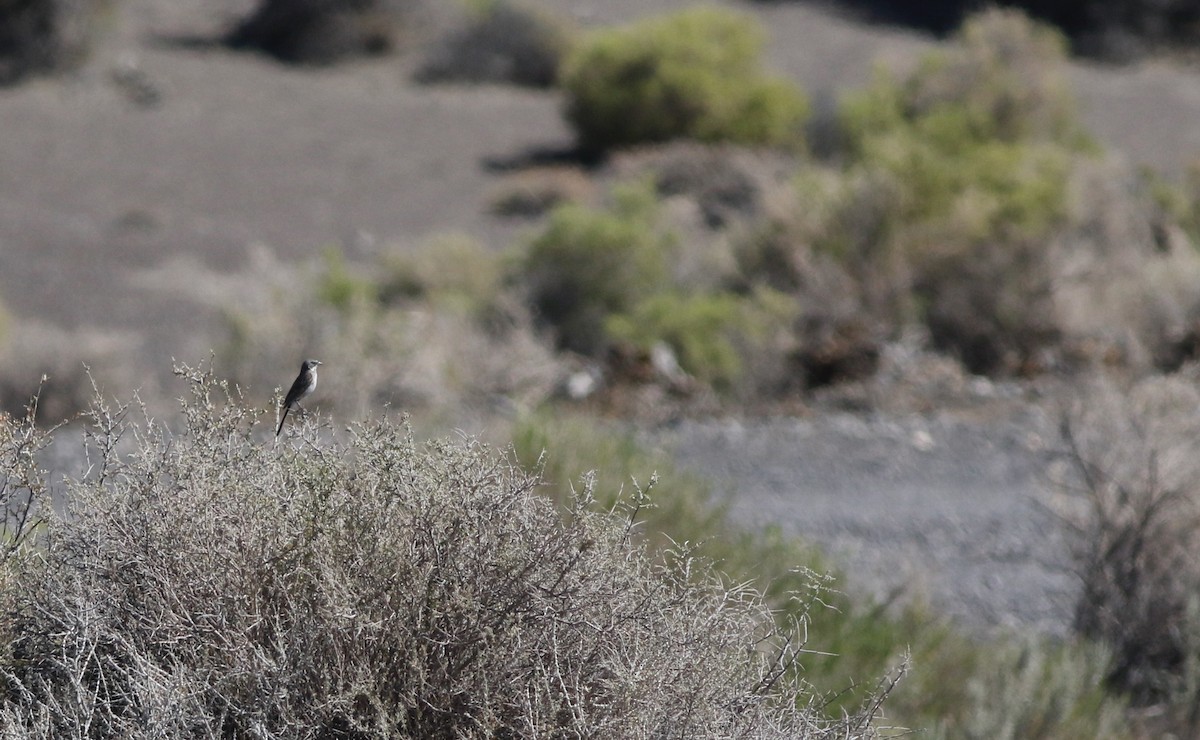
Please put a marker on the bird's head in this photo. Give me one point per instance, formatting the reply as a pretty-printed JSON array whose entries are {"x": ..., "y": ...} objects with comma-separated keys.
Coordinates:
[{"x": 311, "y": 364}]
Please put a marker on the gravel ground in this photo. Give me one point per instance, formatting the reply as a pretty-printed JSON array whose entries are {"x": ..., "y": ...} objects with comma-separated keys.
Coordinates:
[{"x": 948, "y": 507}]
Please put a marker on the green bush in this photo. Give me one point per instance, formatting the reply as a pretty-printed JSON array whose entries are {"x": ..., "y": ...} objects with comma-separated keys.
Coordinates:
[
  {"x": 697, "y": 327},
  {"x": 615, "y": 279},
  {"x": 1003, "y": 73},
  {"x": 950, "y": 186},
  {"x": 588, "y": 265},
  {"x": 694, "y": 74},
  {"x": 979, "y": 138},
  {"x": 968, "y": 200},
  {"x": 339, "y": 287},
  {"x": 707, "y": 331},
  {"x": 216, "y": 583}
]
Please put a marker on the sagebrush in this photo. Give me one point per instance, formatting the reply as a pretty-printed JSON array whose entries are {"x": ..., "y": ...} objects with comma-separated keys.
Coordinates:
[{"x": 210, "y": 582}]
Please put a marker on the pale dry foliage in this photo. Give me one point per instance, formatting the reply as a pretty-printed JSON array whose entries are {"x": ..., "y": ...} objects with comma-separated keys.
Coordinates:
[
  {"x": 450, "y": 354},
  {"x": 1132, "y": 496},
  {"x": 59, "y": 367},
  {"x": 212, "y": 582},
  {"x": 1125, "y": 278}
]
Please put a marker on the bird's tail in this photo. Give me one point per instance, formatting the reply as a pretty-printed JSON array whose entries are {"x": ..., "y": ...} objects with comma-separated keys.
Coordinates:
[{"x": 282, "y": 419}]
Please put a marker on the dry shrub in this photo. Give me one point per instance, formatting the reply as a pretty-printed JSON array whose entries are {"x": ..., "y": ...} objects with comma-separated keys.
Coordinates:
[
  {"x": 535, "y": 191},
  {"x": 952, "y": 181},
  {"x": 1133, "y": 503},
  {"x": 45, "y": 35},
  {"x": 53, "y": 364},
  {"x": 830, "y": 326},
  {"x": 1126, "y": 278},
  {"x": 503, "y": 42},
  {"x": 1111, "y": 29},
  {"x": 322, "y": 31},
  {"x": 993, "y": 307},
  {"x": 24, "y": 488},
  {"x": 729, "y": 184},
  {"x": 1121, "y": 29},
  {"x": 213, "y": 584},
  {"x": 430, "y": 332}
]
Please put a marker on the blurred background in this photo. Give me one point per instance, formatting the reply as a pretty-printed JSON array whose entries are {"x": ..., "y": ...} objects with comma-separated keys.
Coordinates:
[
  {"x": 172, "y": 169},
  {"x": 844, "y": 268}
]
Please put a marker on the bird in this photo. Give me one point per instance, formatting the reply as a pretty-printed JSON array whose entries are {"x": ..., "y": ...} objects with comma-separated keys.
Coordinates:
[{"x": 304, "y": 384}]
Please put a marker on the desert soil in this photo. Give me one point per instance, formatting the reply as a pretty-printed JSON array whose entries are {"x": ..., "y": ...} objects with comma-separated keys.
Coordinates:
[{"x": 136, "y": 221}]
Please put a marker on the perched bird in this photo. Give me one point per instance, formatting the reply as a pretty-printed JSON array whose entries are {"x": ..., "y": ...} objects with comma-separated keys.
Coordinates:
[{"x": 304, "y": 384}]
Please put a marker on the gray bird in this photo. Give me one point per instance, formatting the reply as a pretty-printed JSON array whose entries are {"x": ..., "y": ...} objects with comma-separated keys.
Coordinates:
[{"x": 304, "y": 384}]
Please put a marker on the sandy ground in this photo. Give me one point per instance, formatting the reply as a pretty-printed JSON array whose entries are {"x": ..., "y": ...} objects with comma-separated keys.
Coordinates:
[{"x": 119, "y": 216}]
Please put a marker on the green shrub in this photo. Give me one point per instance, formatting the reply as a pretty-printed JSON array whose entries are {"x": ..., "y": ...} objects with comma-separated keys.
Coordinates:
[
  {"x": 339, "y": 287},
  {"x": 703, "y": 330},
  {"x": 216, "y": 584},
  {"x": 1003, "y": 73},
  {"x": 979, "y": 138},
  {"x": 968, "y": 200},
  {"x": 694, "y": 74},
  {"x": 588, "y": 265},
  {"x": 615, "y": 279},
  {"x": 951, "y": 185},
  {"x": 697, "y": 327},
  {"x": 960, "y": 685},
  {"x": 567, "y": 448}
]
